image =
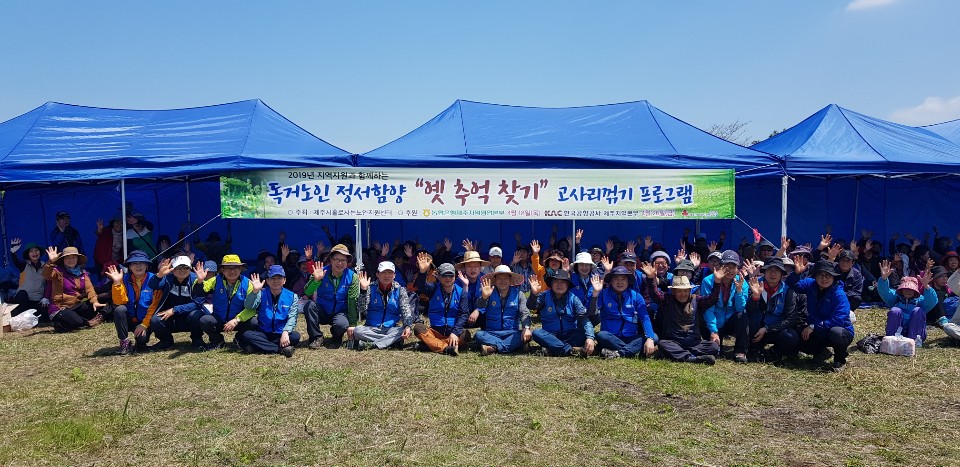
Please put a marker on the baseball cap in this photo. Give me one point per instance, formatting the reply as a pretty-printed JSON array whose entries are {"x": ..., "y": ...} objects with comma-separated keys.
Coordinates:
[
  {"x": 496, "y": 251},
  {"x": 386, "y": 266}
]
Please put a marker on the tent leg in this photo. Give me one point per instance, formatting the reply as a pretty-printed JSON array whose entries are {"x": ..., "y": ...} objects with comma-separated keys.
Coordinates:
[
  {"x": 187, "y": 181},
  {"x": 358, "y": 244},
  {"x": 123, "y": 214},
  {"x": 573, "y": 244},
  {"x": 783, "y": 207},
  {"x": 3, "y": 225},
  {"x": 856, "y": 209}
]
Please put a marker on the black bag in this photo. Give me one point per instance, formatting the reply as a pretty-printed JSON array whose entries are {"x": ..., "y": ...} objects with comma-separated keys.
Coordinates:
[{"x": 870, "y": 344}]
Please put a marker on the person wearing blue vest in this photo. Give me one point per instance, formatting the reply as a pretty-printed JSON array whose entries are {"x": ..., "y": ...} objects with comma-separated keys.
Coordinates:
[
  {"x": 728, "y": 316},
  {"x": 276, "y": 308},
  {"x": 131, "y": 300},
  {"x": 177, "y": 301},
  {"x": 230, "y": 289},
  {"x": 625, "y": 327},
  {"x": 469, "y": 274},
  {"x": 774, "y": 313},
  {"x": 385, "y": 310},
  {"x": 444, "y": 310},
  {"x": 506, "y": 318},
  {"x": 335, "y": 290},
  {"x": 566, "y": 329},
  {"x": 828, "y": 312},
  {"x": 584, "y": 270}
]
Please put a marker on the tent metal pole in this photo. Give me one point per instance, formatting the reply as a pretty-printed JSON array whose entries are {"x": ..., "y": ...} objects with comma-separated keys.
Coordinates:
[
  {"x": 697, "y": 229},
  {"x": 856, "y": 209},
  {"x": 358, "y": 243},
  {"x": 573, "y": 244},
  {"x": 123, "y": 214},
  {"x": 187, "y": 181},
  {"x": 783, "y": 207},
  {"x": 3, "y": 224}
]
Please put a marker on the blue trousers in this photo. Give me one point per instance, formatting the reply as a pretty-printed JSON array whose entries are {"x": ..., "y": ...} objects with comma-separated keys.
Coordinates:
[
  {"x": 560, "y": 343},
  {"x": 503, "y": 341},
  {"x": 267, "y": 342},
  {"x": 626, "y": 346}
]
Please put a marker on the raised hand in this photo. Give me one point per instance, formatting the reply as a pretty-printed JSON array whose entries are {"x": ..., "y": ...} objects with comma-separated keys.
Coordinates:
[
  {"x": 99, "y": 224},
  {"x": 632, "y": 246},
  {"x": 486, "y": 287},
  {"x": 647, "y": 242},
  {"x": 256, "y": 283},
  {"x": 463, "y": 279},
  {"x": 825, "y": 241},
  {"x": 579, "y": 235},
  {"x": 737, "y": 283},
  {"x": 649, "y": 270},
  {"x": 800, "y": 263},
  {"x": 784, "y": 243},
  {"x": 565, "y": 264},
  {"x": 755, "y": 288},
  {"x": 868, "y": 245},
  {"x": 284, "y": 252},
  {"x": 385, "y": 249},
  {"x": 535, "y": 246},
  {"x": 607, "y": 264},
  {"x": 930, "y": 264},
  {"x": 114, "y": 274},
  {"x": 886, "y": 268},
  {"x": 363, "y": 280},
  {"x": 321, "y": 247},
  {"x": 610, "y": 244},
  {"x": 283, "y": 236},
  {"x": 925, "y": 279},
  {"x": 377, "y": 245},
  {"x": 468, "y": 245},
  {"x": 681, "y": 255},
  {"x": 834, "y": 251},
  {"x": 535, "y": 286},
  {"x": 915, "y": 244},
  {"x": 908, "y": 236},
  {"x": 201, "y": 271},
  {"x": 695, "y": 259},
  {"x": 408, "y": 250},
  {"x": 319, "y": 272},
  {"x": 686, "y": 232},
  {"x": 712, "y": 246},
  {"x": 748, "y": 269},
  {"x": 324, "y": 228},
  {"x": 52, "y": 254},
  {"x": 597, "y": 283},
  {"x": 517, "y": 257},
  {"x": 723, "y": 235},
  {"x": 423, "y": 262},
  {"x": 15, "y": 245},
  {"x": 517, "y": 237},
  {"x": 447, "y": 244},
  {"x": 165, "y": 267},
  {"x": 308, "y": 252},
  {"x": 719, "y": 275}
]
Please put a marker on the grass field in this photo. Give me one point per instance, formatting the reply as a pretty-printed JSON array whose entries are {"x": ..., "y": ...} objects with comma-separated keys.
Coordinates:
[{"x": 67, "y": 399}]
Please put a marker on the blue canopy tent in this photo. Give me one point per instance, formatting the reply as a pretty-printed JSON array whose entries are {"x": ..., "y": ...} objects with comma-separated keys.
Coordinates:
[
  {"x": 631, "y": 135},
  {"x": 82, "y": 159},
  {"x": 884, "y": 172},
  {"x": 948, "y": 130}
]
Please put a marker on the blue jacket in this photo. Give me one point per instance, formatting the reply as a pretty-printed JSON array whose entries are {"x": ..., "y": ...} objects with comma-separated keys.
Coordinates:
[
  {"x": 891, "y": 298},
  {"x": 624, "y": 316},
  {"x": 385, "y": 310},
  {"x": 274, "y": 317},
  {"x": 561, "y": 315},
  {"x": 825, "y": 309},
  {"x": 446, "y": 317},
  {"x": 189, "y": 294},
  {"x": 717, "y": 315}
]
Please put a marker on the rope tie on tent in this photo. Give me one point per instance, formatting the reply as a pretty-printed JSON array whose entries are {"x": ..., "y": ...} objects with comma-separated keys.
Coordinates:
[
  {"x": 756, "y": 233},
  {"x": 185, "y": 237}
]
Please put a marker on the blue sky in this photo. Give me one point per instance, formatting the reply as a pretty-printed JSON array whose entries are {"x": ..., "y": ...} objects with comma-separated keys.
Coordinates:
[{"x": 360, "y": 74}]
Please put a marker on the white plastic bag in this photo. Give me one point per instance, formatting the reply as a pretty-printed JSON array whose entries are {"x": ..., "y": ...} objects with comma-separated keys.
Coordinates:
[
  {"x": 24, "y": 321},
  {"x": 898, "y": 345}
]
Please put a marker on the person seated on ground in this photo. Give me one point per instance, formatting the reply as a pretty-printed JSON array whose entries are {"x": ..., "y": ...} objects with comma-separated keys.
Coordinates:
[
  {"x": 625, "y": 327},
  {"x": 177, "y": 303},
  {"x": 213, "y": 247},
  {"x": 496, "y": 258},
  {"x": 850, "y": 276},
  {"x": 229, "y": 291},
  {"x": 131, "y": 297},
  {"x": 34, "y": 291},
  {"x": 908, "y": 305},
  {"x": 446, "y": 311},
  {"x": 303, "y": 268},
  {"x": 74, "y": 303},
  {"x": 506, "y": 317},
  {"x": 335, "y": 290},
  {"x": 64, "y": 235},
  {"x": 628, "y": 259},
  {"x": 728, "y": 316},
  {"x": 554, "y": 261},
  {"x": 582, "y": 272},
  {"x": 385, "y": 311},
  {"x": 522, "y": 265},
  {"x": 276, "y": 310},
  {"x": 661, "y": 264},
  {"x": 689, "y": 268},
  {"x": 682, "y": 340},
  {"x": 828, "y": 312},
  {"x": 951, "y": 262},
  {"x": 952, "y": 328},
  {"x": 805, "y": 252},
  {"x": 289, "y": 259},
  {"x": 139, "y": 236},
  {"x": 109, "y": 246},
  {"x": 773, "y": 313},
  {"x": 566, "y": 329},
  {"x": 469, "y": 274},
  {"x": 765, "y": 249},
  {"x": 938, "y": 282}
]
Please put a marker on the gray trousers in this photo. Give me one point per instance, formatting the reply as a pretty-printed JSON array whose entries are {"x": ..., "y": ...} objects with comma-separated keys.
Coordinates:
[
  {"x": 952, "y": 330},
  {"x": 380, "y": 336}
]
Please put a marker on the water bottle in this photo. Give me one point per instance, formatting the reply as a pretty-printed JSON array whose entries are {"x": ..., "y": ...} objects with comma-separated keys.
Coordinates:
[{"x": 919, "y": 341}]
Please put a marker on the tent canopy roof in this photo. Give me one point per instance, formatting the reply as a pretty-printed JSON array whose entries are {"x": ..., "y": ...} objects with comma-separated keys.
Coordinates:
[
  {"x": 626, "y": 135},
  {"x": 62, "y": 142},
  {"x": 839, "y": 141},
  {"x": 948, "y": 130}
]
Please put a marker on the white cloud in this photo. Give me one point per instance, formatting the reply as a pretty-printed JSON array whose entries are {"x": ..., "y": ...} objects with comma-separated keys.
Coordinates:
[
  {"x": 932, "y": 110},
  {"x": 865, "y": 4}
]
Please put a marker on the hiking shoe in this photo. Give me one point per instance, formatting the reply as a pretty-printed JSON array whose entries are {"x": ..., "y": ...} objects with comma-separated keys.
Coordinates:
[
  {"x": 486, "y": 350},
  {"x": 316, "y": 344},
  {"x": 95, "y": 321},
  {"x": 578, "y": 352},
  {"x": 942, "y": 321},
  {"x": 609, "y": 354},
  {"x": 740, "y": 358},
  {"x": 141, "y": 347},
  {"x": 822, "y": 357},
  {"x": 838, "y": 367},
  {"x": 287, "y": 351},
  {"x": 217, "y": 345},
  {"x": 360, "y": 346},
  {"x": 451, "y": 350},
  {"x": 126, "y": 347},
  {"x": 352, "y": 344},
  {"x": 160, "y": 346},
  {"x": 708, "y": 359}
]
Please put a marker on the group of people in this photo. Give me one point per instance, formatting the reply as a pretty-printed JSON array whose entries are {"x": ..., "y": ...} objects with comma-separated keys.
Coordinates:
[{"x": 775, "y": 301}]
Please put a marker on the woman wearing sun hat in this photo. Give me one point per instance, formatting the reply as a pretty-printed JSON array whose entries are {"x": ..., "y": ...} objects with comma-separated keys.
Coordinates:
[
  {"x": 74, "y": 302},
  {"x": 132, "y": 297}
]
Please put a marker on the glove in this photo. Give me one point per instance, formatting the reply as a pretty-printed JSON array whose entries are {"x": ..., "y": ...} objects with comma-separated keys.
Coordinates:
[{"x": 44, "y": 301}]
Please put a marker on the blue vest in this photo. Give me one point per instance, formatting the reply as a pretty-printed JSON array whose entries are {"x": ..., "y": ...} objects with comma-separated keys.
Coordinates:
[
  {"x": 384, "y": 313},
  {"x": 139, "y": 309},
  {"x": 583, "y": 290},
  {"x": 273, "y": 316},
  {"x": 557, "y": 317},
  {"x": 334, "y": 300},
  {"x": 444, "y": 317},
  {"x": 226, "y": 307},
  {"x": 503, "y": 315},
  {"x": 621, "y": 320}
]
